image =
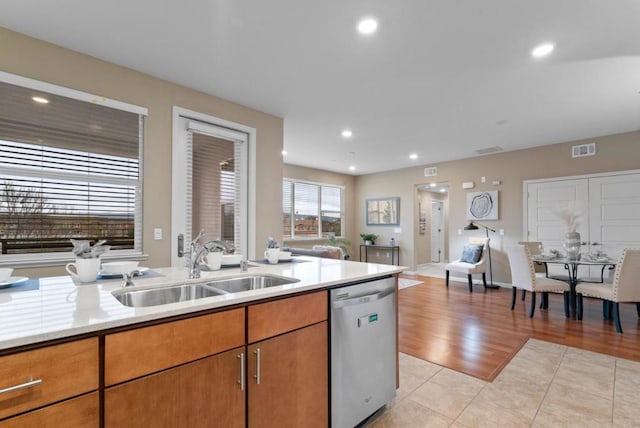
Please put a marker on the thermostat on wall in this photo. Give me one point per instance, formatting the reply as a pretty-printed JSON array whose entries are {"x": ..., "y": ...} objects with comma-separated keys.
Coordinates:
[{"x": 468, "y": 185}]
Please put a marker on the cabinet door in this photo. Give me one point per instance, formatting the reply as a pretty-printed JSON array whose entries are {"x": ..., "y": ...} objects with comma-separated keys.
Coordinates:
[
  {"x": 288, "y": 380},
  {"x": 205, "y": 393}
]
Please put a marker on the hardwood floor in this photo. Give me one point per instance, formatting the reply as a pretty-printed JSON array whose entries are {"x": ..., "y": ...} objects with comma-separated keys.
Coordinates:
[{"x": 476, "y": 333}]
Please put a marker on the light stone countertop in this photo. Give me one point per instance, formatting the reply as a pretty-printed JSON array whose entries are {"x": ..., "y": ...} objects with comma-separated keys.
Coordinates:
[{"x": 60, "y": 308}]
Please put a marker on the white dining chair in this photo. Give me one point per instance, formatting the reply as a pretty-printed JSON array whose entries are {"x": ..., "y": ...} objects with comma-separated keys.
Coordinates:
[
  {"x": 523, "y": 276},
  {"x": 624, "y": 288},
  {"x": 470, "y": 267}
]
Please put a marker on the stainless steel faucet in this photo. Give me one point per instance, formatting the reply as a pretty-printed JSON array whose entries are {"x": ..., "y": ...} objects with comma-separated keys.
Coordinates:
[
  {"x": 197, "y": 252},
  {"x": 128, "y": 278}
]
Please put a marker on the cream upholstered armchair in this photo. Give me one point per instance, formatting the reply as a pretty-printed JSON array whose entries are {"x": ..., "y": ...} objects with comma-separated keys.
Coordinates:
[
  {"x": 624, "y": 288},
  {"x": 472, "y": 262},
  {"x": 523, "y": 276}
]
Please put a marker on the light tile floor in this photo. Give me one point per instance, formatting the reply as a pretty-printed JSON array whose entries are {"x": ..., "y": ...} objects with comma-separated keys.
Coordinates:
[{"x": 544, "y": 385}]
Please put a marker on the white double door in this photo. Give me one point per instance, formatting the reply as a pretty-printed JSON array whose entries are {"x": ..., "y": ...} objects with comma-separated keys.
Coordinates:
[{"x": 610, "y": 221}]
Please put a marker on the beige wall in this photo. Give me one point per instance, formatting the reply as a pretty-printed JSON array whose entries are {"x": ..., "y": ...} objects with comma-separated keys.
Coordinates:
[
  {"x": 39, "y": 60},
  {"x": 327, "y": 177},
  {"x": 613, "y": 153}
]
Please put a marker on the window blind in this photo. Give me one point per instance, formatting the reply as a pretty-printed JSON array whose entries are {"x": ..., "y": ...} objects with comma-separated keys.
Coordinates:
[
  {"x": 215, "y": 188},
  {"x": 69, "y": 169}
]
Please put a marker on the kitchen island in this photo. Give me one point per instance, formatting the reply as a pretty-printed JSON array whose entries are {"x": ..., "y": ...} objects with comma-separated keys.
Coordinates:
[{"x": 262, "y": 353}]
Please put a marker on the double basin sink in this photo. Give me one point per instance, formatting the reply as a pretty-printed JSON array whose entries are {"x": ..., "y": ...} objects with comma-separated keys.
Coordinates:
[{"x": 193, "y": 291}]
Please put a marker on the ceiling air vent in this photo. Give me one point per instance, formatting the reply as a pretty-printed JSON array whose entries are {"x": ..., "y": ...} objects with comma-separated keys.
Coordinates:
[
  {"x": 489, "y": 150},
  {"x": 583, "y": 150},
  {"x": 431, "y": 171}
]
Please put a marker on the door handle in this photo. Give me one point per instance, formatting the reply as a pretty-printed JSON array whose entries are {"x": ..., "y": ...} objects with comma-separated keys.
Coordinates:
[
  {"x": 595, "y": 243},
  {"x": 257, "y": 375},
  {"x": 363, "y": 299},
  {"x": 241, "y": 380},
  {"x": 180, "y": 245}
]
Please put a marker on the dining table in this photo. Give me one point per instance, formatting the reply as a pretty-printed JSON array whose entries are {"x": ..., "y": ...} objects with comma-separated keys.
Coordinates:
[{"x": 571, "y": 266}]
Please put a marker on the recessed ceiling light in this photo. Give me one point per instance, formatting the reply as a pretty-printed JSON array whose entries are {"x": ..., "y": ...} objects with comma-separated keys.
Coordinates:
[
  {"x": 352, "y": 168},
  {"x": 367, "y": 25},
  {"x": 542, "y": 50},
  {"x": 413, "y": 156},
  {"x": 40, "y": 100},
  {"x": 347, "y": 133},
  {"x": 432, "y": 185},
  {"x": 284, "y": 153}
]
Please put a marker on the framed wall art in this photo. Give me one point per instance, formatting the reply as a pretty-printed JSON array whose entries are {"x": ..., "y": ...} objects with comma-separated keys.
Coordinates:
[
  {"x": 482, "y": 205},
  {"x": 383, "y": 211}
]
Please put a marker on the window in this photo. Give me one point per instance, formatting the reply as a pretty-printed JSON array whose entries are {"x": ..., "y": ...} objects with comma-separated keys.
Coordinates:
[
  {"x": 311, "y": 210},
  {"x": 68, "y": 169}
]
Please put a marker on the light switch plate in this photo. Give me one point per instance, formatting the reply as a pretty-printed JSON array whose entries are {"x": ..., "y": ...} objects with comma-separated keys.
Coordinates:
[
  {"x": 501, "y": 231},
  {"x": 157, "y": 234}
]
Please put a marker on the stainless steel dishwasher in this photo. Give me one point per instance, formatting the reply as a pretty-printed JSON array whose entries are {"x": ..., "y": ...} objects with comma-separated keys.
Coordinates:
[{"x": 363, "y": 350}]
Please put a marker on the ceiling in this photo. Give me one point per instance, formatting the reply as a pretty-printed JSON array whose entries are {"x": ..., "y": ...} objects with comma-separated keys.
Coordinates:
[{"x": 439, "y": 78}]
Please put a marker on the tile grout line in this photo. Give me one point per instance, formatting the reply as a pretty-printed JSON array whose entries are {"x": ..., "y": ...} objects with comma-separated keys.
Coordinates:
[{"x": 564, "y": 353}]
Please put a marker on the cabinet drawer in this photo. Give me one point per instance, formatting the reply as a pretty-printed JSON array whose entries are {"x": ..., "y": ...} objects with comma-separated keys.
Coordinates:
[
  {"x": 277, "y": 317},
  {"x": 64, "y": 371},
  {"x": 81, "y": 412},
  {"x": 142, "y": 351}
]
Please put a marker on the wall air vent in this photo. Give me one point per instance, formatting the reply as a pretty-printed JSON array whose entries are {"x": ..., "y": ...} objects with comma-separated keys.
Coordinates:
[
  {"x": 431, "y": 171},
  {"x": 489, "y": 150},
  {"x": 583, "y": 150}
]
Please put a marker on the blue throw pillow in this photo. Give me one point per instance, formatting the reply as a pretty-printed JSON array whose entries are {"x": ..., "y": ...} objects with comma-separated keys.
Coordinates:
[{"x": 471, "y": 253}]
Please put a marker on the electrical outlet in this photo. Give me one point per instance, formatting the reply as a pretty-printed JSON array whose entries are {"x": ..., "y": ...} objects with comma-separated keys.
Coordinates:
[{"x": 501, "y": 231}]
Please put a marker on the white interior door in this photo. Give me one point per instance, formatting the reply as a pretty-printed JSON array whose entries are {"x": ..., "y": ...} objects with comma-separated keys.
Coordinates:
[
  {"x": 545, "y": 226},
  {"x": 614, "y": 214},
  {"x": 437, "y": 231}
]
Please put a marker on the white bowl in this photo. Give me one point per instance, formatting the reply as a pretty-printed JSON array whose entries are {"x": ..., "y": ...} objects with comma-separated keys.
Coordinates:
[
  {"x": 231, "y": 259},
  {"x": 5, "y": 274},
  {"x": 119, "y": 267},
  {"x": 284, "y": 255}
]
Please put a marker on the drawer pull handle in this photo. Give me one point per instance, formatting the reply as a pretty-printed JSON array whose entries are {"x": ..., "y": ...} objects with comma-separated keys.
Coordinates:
[
  {"x": 21, "y": 386},
  {"x": 241, "y": 380},
  {"x": 257, "y": 375}
]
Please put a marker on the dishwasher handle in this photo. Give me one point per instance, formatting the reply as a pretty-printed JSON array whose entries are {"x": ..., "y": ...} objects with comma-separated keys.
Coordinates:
[{"x": 362, "y": 299}]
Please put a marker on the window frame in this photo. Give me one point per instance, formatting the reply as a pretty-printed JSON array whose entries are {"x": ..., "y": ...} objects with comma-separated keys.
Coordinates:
[
  {"x": 320, "y": 212},
  {"x": 44, "y": 259}
]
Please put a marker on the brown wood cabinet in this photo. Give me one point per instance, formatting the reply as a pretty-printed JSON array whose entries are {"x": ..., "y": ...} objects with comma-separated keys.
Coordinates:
[
  {"x": 205, "y": 393},
  {"x": 35, "y": 378},
  {"x": 288, "y": 380},
  {"x": 263, "y": 365},
  {"x": 288, "y": 377}
]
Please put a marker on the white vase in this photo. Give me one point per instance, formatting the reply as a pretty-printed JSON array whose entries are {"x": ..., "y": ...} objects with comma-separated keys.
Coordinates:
[{"x": 572, "y": 245}]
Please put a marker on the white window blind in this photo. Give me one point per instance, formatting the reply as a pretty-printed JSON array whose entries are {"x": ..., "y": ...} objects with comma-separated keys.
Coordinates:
[
  {"x": 68, "y": 169},
  {"x": 215, "y": 187},
  {"x": 311, "y": 210}
]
